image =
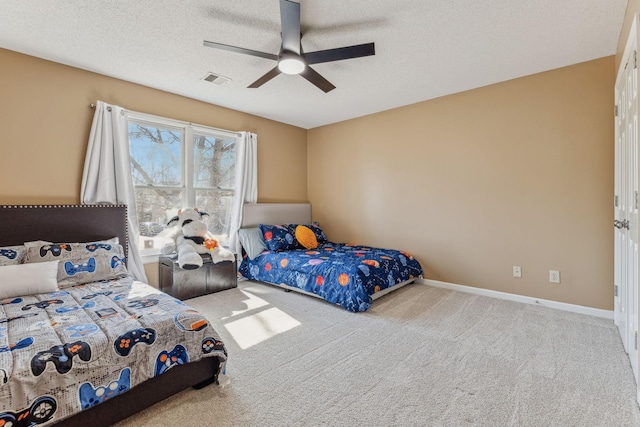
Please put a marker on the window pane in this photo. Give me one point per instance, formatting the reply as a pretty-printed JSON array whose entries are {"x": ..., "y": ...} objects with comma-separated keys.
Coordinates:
[
  {"x": 156, "y": 155},
  {"x": 214, "y": 162},
  {"x": 218, "y": 205},
  {"x": 155, "y": 206}
]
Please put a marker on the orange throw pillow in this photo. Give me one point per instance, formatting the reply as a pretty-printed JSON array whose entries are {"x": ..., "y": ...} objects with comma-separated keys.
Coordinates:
[{"x": 306, "y": 237}]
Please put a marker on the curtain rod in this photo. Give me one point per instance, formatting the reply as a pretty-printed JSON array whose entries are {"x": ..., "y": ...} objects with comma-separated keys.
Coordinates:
[
  {"x": 179, "y": 121},
  {"x": 94, "y": 106}
]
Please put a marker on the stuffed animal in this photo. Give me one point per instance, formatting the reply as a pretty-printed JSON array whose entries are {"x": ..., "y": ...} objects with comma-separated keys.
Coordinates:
[{"x": 191, "y": 238}]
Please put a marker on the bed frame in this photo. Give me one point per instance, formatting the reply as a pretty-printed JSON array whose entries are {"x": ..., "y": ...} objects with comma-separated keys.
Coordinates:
[
  {"x": 85, "y": 223},
  {"x": 254, "y": 214}
]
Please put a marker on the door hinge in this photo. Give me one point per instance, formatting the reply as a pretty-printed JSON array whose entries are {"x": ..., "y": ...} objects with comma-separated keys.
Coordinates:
[
  {"x": 635, "y": 340},
  {"x": 636, "y": 200},
  {"x": 615, "y": 110},
  {"x": 615, "y": 290},
  {"x": 615, "y": 201},
  {"x": 635, "y": 59}
]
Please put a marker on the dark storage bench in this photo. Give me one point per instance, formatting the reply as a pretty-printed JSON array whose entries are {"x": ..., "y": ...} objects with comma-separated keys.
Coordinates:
[{"x": 185, "y": 284}]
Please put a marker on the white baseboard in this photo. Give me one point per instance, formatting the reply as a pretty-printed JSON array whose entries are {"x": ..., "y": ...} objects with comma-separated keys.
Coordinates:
[{"x": 607, "y": 314}]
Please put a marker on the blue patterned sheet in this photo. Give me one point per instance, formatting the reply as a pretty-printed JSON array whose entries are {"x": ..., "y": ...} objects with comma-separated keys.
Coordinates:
[{"x": 343, "y": 274}]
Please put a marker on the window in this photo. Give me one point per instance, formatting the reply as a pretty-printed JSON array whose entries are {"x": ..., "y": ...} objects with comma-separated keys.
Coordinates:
[{"x": 175, "y": 165}]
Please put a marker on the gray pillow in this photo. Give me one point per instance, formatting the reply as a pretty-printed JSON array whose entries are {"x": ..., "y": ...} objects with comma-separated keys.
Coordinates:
[
  {"x": 80, "y": 262},
  {"x": 251, "y": 241},
  {"x": 12, "y": 255}
]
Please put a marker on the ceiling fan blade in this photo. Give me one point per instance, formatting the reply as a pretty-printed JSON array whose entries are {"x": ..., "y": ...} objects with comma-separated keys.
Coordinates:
[
  {"x": 241, "y": 50},
  {"x": 262, "y": 80},
  {"x": 340, "y": 53},
  {"x": 315, "y": 78},
  {"x": 290, "y": 21}
]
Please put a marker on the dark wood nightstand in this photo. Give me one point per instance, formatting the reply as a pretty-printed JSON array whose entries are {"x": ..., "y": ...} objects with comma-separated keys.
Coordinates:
[{"x": 185, "y": 284}]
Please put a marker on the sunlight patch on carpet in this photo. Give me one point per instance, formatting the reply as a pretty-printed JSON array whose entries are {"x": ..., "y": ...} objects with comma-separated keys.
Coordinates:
[{"x": 259, "y": 327}]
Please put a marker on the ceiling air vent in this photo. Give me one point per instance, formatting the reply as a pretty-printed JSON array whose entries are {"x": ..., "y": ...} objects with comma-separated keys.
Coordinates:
[{"x": 216, "y": 79}]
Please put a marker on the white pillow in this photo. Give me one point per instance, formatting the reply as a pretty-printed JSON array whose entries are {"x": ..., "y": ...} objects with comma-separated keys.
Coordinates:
[{"x": 28, "y": 279}]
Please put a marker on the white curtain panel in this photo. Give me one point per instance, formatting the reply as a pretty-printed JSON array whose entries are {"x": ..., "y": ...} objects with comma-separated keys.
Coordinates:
[
  {"x": 107, "y": 173},
  {"x": 246, "y": 184}
]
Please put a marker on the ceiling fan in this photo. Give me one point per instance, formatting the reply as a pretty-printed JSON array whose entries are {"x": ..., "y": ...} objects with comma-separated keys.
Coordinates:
[{"x": 291, "y": 59}]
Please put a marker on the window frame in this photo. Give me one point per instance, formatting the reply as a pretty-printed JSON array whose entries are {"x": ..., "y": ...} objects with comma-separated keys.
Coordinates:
[{"x": 188, "y": 131}]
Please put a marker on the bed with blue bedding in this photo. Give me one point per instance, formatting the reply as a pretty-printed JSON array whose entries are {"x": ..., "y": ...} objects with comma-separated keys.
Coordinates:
[
  {"x": 350, "y": 276},
  {"x": 343, "y": 274}
]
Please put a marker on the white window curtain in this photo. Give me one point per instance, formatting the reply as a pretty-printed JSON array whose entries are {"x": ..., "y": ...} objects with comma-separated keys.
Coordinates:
[
  {"x": 107, "y": 173},
  {"x": 246, "y": 184}
]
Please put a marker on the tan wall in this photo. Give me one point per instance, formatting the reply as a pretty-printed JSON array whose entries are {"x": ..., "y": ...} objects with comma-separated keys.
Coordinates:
[
  {"x": 517, "y": 173},
  {"x": 45, "y": 121},
  {"x": 153, "y": 274}
]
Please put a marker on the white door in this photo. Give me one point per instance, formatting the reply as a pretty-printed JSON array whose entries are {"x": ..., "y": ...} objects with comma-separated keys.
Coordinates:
[
  {"x": 620, "y": 271},
  {"x": 626, "y": 201}
]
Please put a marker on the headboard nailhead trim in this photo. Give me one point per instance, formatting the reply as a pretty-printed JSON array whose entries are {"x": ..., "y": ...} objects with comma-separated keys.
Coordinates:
[{"x": 105, "y": 205}]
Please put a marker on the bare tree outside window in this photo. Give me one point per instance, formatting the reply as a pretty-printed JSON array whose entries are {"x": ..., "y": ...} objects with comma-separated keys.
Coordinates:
[
  {"x": 176, "y": 167},
  {"x": 214, "y": 179}
]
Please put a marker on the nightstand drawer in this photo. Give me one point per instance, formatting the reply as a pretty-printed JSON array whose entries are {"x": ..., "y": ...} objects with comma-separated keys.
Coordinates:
[{"x": 209, "y": 278}]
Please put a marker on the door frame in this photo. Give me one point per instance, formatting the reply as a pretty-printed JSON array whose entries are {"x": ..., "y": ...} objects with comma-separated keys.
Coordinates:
[{"x": 622, "y": 299}]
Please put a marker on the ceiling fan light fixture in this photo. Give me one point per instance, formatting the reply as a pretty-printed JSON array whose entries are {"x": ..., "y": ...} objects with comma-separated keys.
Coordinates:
[{"x": 291, "y": 64}]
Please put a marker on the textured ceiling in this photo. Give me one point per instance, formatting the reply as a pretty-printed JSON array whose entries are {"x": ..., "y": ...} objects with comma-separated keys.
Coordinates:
[{"x": 424, "y": 48}]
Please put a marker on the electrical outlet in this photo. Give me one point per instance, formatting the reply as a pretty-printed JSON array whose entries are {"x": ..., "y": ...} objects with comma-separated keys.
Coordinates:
[
  {"x": 554, "y": 276},
  {"x": 517, "y": 271}
]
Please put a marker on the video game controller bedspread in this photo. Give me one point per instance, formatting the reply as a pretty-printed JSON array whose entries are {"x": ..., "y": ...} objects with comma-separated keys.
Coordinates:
[{"x": 93, "y": 342}]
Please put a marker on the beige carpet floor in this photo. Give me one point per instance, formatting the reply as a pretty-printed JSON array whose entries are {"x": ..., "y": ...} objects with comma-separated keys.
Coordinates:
[{"x": 421, "y": 356}]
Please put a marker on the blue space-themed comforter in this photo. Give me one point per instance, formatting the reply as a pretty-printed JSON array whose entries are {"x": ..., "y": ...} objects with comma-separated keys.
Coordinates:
[
  {"x": 67, "y": 351},
  {"x": 347, "y": 275}
]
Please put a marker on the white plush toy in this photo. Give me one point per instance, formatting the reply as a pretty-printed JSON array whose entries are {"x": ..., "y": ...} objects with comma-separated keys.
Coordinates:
[{"x": 191, "y": 238}]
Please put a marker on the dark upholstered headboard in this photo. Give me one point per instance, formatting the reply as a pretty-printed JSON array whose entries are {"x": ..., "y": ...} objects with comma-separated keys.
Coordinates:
[{"x": 62, "y": 223}]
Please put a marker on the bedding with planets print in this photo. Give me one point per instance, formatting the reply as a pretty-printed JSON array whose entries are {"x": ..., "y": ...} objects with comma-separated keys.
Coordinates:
[
  {"x": 87, "y": 333},
  {"x": 299, "y": 257}
]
